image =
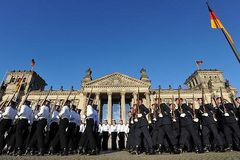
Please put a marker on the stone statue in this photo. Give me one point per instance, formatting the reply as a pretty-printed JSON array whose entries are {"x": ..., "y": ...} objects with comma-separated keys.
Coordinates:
[
  {"x": 88, "y": 76},
  {"x": 144, "y": 76},
  {"x": 227, "y": 84},
  {"x": 210, "y": 84}
]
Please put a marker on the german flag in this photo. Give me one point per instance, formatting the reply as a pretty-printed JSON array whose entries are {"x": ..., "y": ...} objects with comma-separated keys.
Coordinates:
[{"x": 217, "y": 24}]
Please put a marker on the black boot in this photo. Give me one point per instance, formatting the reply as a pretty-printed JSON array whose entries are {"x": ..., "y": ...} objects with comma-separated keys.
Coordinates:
[
  {"x": 51, "y": 151},
  {"x": 229, "y": 148},
  {"x": 41, "y": 152},
  {"x": 151, "y": 151},
  {"x": 176, "y": 150},
  {"x": 64, "y": 152},
  {"x": 206, "y": 148},
  {"x": 198, "y": 149},
  {"x": 136, "y": 151},
  {"x": 160, "y": 149},
  {"x": 221, "y": 149}
]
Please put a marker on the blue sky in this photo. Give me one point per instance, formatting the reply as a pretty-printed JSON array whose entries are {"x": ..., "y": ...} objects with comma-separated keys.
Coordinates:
[{"x": 166, "y": 37}]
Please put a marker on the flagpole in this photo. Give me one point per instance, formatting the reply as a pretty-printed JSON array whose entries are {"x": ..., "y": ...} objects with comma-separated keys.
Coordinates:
[{"x": 236, "y": 53}]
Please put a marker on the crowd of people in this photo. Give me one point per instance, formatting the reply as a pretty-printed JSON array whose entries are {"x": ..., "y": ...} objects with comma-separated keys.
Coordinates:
[{"x": 173, "y": 128}]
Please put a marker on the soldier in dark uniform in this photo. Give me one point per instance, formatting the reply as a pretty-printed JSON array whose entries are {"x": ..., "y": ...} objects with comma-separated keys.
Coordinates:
[
  {"x": 131, "y": 134},
  {"x": 207, "y": 115},
  {"x": 227, "y": 113},
  {"x": 142, "y": 128},
  {"x": 187, "y": 127},
  {"x": 237, "y": 102},
  {"x": 165, "y": 129}
]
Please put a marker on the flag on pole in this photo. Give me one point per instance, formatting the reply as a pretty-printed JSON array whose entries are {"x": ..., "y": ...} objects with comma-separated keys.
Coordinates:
[
  {"x": 198, "y": 63},
  {"x": 217, "y": 24},
  {"x": 33, "y": 63}
]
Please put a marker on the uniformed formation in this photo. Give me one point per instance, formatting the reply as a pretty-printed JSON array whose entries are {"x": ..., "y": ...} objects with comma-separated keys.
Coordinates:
[
  {"x": 173, "y": 128},
  {"x": 37, "y": 121},
  {"x": 179, "y": 127}
]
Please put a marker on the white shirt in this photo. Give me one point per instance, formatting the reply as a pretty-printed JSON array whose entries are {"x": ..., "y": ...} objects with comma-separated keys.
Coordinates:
[
  {"x": 90, "y": 112},
  {"x": 99, "y": 128},
  {"x": 44, "y": 113},
  {"x": 121, "y": 128},
  {"x": 9, "y": 113},
  {"x": 74, "y": 117},
  {"x": 82, "y": 128},
  {"x": 65, "y": 112},
  {"x": 55, "y": 117},
  {"x": 126, "y": 128},
  {"x": 113, "y": 128},
  {"x": 26, "y": 113},
  {"x": 105, "y": 128}
]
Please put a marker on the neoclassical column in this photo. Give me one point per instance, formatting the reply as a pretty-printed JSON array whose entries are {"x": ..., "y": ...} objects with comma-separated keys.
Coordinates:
[
  {"x": 82, "y": 102},
  {"x": 98, "y": 101},
  {"x": 123, "y": 107},
  {"x": 109, "y": 117},
  {"x": 147, "y": 99}
]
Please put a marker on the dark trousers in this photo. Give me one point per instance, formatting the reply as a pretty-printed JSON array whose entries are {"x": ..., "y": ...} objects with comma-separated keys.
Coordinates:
[
  {"x": 21, "y": 133},
  {"x": 114, "y": 140},
  {"x": 30, "y": 136},
  {"x": 61, "y": 135},
  {"x": 121, "y": 142},
  {"x": 38, "y": 137},
  {"x": 166, "y": 131},
  {"x": 231, "y": 129},
  {"x": 71, "y": 135},
  {"x": 88, "y": 140},
  {"x": 192, "y": 132},
  {"x": 143, "y": 130},
  {"x": 105, "y": 136},
  {"x": 5, "y": 124},
  {"x": 53, "y": 132},
  {"x": 207, "y": 130}
]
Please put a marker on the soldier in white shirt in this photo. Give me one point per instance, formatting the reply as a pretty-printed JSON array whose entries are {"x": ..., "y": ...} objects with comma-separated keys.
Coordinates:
[
  {"x": 88, "y": 139},
  {"x": 43, "y": 117},
  {"x": 105, "y": 134},
  {"x": 71, "y": 128},
  {"x": 121, "y": 135},
  {"x": 113, "y": 132},
  {"x": 54, "y": 123},
  {"x": 25, "y": 116},
  {"x": 62, "y": 131},
  {"x": 8, "y": 117}
]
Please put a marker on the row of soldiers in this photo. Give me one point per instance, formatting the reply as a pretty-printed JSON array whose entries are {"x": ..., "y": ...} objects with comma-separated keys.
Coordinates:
[
  {"x": 60, "y": 130},
  {"x": 179, "y": 127}
]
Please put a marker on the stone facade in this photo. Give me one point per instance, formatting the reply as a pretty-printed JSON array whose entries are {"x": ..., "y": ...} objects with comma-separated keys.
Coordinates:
[{"x": 115, "y": 86}]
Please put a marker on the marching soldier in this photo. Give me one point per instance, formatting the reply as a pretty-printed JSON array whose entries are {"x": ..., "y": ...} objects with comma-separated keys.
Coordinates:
[
  {"x": 209, "y": 126},
  {"x": 88, "y": 140},
  {"x": 74, "y": 118},
  {"x": 8, "y": 117},
  {"x": 142, "y": 128},
  {"x": 187, "y": 126},
  {"x": 227, "y": 113},
  {"x": 25, "y": 116},
  {"x": 62, "y": 131},
  {"x": 237, "y": 102},
  {"x": 54, "y": 124},
  {"x": 164, "y": 125},
  {"x": 113, "y": 132}
]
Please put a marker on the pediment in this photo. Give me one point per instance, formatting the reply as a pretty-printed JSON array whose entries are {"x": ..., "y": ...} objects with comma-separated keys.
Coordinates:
[{"x": 116, "y": 80}]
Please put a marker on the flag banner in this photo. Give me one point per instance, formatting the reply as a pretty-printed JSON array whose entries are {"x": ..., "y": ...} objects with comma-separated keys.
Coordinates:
[
  {"x": 33, "y": 63},
  {"x": 217, "y": 24},
  {"x": 199, "y": 62}
]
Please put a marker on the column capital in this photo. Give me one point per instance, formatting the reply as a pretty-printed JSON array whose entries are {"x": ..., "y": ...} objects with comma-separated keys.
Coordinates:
[
  {"x": 122, "y": 93},
  {"x": 109, "y": 93}
]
